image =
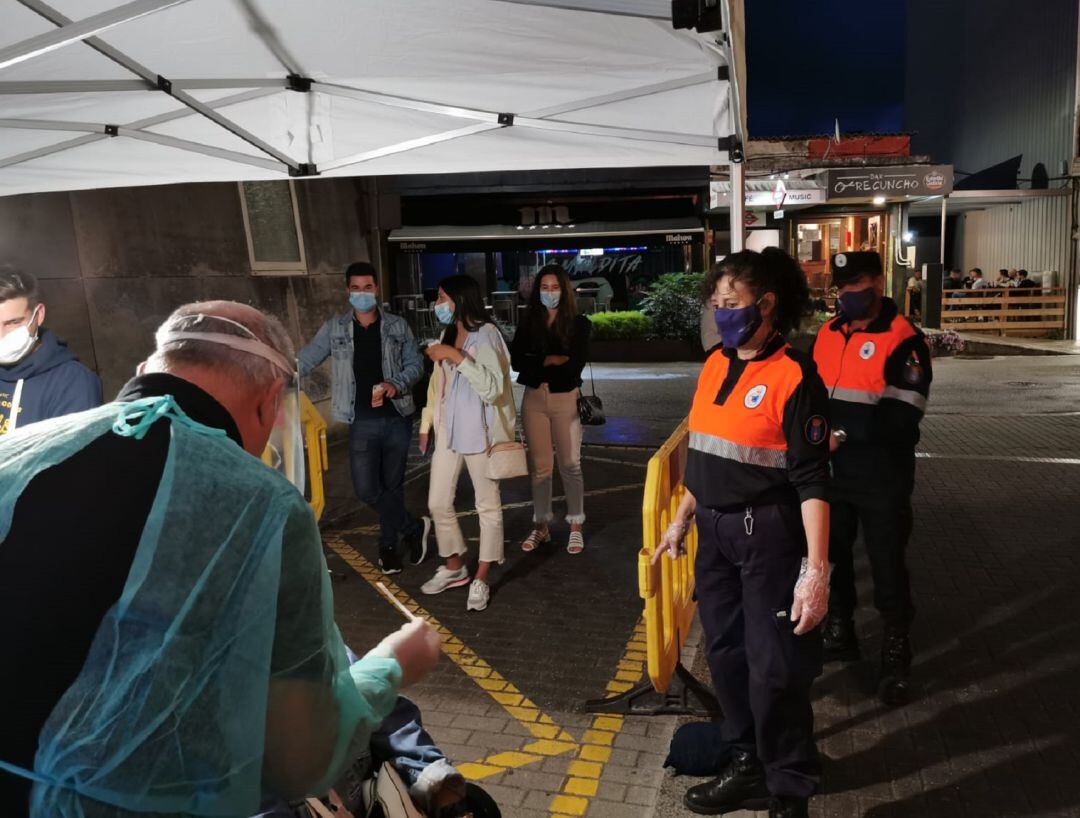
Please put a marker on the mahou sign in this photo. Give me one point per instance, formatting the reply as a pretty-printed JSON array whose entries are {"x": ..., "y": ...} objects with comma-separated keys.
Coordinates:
[{"x": 898, "y": 181}]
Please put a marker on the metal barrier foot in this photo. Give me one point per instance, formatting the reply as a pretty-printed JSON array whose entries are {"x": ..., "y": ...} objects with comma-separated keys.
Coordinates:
[{"x": 685, "y": 696}]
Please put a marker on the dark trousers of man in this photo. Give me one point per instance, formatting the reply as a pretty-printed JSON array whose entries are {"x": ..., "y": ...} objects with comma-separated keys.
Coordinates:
[
  {"x": 761, "y": 670},
  {"x": 378, "y": 450},
  {"x": 886, "y": 528}
]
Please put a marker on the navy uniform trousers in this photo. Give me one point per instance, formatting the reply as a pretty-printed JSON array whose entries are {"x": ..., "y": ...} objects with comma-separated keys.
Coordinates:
[{"x": 761, "y": 670}]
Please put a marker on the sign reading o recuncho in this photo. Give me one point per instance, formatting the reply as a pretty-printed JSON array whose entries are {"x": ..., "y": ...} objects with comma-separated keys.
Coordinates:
[{"x": 896, "y": 181}]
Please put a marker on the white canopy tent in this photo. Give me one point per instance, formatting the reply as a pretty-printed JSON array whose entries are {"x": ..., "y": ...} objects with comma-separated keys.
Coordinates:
[{"x": 99, "y": 93}]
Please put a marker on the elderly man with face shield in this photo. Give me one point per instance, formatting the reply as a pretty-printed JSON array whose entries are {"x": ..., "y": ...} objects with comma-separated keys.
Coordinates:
[
  {"x": 165, "y": 610},
  {"x": 40, "y": 377}
]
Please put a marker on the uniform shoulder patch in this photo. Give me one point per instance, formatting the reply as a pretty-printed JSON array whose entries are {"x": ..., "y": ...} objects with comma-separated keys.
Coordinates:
[
  {"x": 816, "y": 430},
  {"x": 867, "y": 350},
  {"x": 913, "y": 370}
]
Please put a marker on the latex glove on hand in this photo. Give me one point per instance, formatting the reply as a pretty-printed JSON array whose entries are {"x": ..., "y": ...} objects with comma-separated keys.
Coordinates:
[
  {"x": 672, "y": 541},
  {"x": 416, "y": 647},
  {"x": 811, "y": 598}
]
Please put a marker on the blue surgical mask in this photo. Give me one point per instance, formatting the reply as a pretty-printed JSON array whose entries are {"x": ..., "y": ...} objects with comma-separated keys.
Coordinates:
[
  {"x": 362, "y": 302},
  {"x": 858, "y": 304},
  {"x": 444, "y": 312},
  {"x": 737, "y": 326},
  {"x": 550, "y": 299}
]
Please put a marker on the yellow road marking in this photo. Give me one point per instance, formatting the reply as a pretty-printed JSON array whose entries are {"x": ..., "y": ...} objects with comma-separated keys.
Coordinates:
[
  {"x": 551, "y": 740},
  {"x": 595, "y": 750}
]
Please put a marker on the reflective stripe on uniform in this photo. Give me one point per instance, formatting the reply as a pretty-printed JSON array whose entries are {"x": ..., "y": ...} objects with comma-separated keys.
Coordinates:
[
  {"x": 855, "y": 396},
  {"x": 749, "y": 455},
  {"x": 910, "y": 396}
]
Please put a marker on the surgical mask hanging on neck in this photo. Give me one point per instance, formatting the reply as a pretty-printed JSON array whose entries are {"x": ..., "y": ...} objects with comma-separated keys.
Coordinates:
[
  {"x": 550, "y": 299},
  {"x": 737, "y": 326},
  {"x": 18, "y": 343}
]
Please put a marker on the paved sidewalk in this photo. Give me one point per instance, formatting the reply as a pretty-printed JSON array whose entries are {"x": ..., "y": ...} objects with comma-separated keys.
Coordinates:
[{"x": 994, "y": 725}]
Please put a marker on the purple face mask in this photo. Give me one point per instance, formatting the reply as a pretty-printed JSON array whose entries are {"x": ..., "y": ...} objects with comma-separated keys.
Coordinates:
[
  {"x": 737, "y": 326},
  {"x": 858, "y": 304}
]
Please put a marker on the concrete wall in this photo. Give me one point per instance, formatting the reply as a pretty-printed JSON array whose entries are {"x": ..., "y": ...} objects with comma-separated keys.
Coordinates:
[
  {"x": 113, "y": 264},
  {"x": 1031, "y": 235}
]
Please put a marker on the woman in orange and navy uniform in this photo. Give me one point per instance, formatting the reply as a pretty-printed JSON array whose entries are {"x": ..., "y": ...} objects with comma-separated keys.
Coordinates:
[{"x": 756, "y": 482}]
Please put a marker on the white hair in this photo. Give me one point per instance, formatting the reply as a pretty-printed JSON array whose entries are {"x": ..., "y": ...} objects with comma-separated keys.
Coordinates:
[{"x": 223, "y": 318}]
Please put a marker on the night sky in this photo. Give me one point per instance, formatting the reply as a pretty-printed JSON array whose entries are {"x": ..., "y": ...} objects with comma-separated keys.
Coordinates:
[{"x": 812, "y": 61}]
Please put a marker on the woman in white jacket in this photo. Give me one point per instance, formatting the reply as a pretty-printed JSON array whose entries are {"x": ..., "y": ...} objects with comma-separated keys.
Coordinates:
[{"x": 470, "y": 407}]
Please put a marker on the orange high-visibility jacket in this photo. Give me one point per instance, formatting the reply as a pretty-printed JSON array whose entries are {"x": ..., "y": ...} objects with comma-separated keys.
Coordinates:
[
  {"x": 758, "y": 430},
  {"x": 878, "y": 380}
]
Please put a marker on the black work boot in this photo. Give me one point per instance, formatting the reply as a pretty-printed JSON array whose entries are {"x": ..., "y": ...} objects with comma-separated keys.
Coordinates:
[
  {"x": 895, "y": 667},
  {"x": 788, "y": 806},
  {"x": 839, "y": 639},
  {"x": 741, "y": 785}
]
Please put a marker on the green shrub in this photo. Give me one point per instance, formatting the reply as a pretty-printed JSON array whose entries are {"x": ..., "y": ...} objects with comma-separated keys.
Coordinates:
[
  {"x": 620, "y": 326},
  {"x": 673, "y": 303}
]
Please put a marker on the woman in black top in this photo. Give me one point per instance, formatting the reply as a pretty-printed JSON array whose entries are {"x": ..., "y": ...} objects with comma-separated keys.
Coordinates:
[{"x": 549, "y": 351}]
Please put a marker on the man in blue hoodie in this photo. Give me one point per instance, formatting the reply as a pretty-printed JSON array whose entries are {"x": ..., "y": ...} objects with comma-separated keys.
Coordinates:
[{"x": 40, "y": 378}]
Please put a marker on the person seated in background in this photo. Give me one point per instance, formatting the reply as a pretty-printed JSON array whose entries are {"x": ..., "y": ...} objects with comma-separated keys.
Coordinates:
[
  {"x": 1002, "y": 279},
  {"x": 954, "y": 281},
  {"x": 1023, "y": 282},
  {"x": 977, "y": 280},
  {"x": 1014, "y": 277}
]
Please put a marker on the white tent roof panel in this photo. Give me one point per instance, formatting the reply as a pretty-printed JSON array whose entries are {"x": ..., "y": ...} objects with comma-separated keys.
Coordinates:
[{"x": 412, "y": 86}]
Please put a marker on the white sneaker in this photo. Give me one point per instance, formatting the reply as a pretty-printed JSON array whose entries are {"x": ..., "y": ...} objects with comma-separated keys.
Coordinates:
[
  {"x": 479, "y": 595},
  {"x": 445, "y": 579}
]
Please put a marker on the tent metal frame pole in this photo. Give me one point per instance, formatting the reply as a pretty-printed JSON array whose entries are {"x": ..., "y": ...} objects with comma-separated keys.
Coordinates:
[
  {"x": 268, "y": 34},
  {"x": 637, "y": 134},
  {"x": 115, "y": 86},
  {"x": 75, "y": 31},
  {"x": 737, "y": 209},
  {"x": 620, "y": 96},
  {"x": 571, "y": 5},
  {"x": 145, "y": 136},
  {"x": 402, "y": 147},
  {"x": 336, "y": 90},
  {"x": 149, "y": 122},
  {"x": 495, "y": 118},
  {"x": 117, "y": 56}
]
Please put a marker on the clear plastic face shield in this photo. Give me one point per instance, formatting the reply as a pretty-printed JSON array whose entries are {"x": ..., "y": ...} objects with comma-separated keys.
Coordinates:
[{"x": 285, "y": 449}]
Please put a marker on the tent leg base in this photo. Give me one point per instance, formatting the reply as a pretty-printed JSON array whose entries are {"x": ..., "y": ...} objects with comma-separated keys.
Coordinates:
[{"x": 685, "y": 696}]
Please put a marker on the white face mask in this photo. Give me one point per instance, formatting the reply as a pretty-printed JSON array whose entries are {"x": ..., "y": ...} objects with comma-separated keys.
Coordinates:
[{"x": 17, "y": 344}]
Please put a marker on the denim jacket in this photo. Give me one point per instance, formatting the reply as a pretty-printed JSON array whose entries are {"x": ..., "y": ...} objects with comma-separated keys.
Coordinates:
[{"x": 402, "y": 364}]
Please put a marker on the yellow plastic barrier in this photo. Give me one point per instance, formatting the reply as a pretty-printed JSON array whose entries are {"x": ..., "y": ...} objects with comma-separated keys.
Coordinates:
[
  {"x": 667, "y": 588},
  {"x": 318, "y": 461}
]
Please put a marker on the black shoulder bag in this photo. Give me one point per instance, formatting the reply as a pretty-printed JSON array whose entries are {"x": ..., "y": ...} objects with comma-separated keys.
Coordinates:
[{"x": 589, "y": 407}]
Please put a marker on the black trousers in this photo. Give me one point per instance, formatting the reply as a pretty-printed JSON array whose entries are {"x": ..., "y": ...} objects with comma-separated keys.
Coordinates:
[
  {"x": 886, "y": 528},
  {"x": 762, "y": 672}
]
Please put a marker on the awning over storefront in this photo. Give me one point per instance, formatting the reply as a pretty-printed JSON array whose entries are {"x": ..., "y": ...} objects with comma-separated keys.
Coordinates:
[
  {"x": 440, "y": 238},
  {"x": 98, "y": 93}
]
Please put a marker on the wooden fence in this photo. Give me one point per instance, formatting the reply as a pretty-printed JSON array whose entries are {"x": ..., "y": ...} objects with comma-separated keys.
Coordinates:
[{"x": 1027, "y": 312}]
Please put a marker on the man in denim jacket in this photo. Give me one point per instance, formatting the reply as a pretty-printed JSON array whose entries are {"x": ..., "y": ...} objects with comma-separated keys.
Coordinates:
[{"x": 374, "y": 364}]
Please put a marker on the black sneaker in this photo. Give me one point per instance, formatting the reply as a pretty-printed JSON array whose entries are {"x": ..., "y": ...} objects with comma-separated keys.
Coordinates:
[
  {"x": 740, "y": 786},
  {"x": 895, "y": 667},
  {"x": 389, "y": 561},
  {"x": 840, "y": 642},
  {"x": 786, "y": 806},
  {"x": 417, "y": 543}
]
